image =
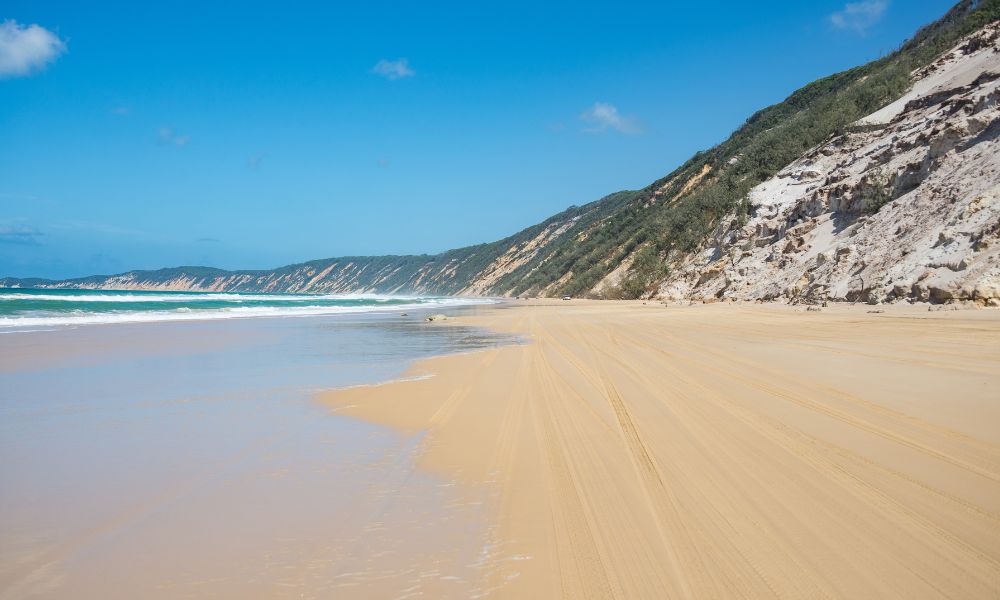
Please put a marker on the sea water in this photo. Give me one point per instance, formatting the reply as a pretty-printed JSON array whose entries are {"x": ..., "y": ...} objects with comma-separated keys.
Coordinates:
[
  {"x": 44, "y": 307},
  {"x": 190, "y": 458}
]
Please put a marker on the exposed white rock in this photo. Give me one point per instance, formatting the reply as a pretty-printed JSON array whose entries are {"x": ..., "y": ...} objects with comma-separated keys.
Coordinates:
[{"x": 935, "y": 152}]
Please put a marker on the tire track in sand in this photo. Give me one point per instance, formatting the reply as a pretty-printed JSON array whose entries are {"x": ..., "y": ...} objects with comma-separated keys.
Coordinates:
[
  {"x": 661, "y": 503},
  {"x": 981, "y": 566},
  {"x": 583, "y": 572}
]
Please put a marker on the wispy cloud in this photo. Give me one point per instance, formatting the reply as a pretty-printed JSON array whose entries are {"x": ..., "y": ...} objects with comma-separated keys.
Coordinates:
[
  {"x": 166, "y": 135},
  {"x": 393, "y": 69},
  {"x": 253, "y": 163},
  {"x": 605, "y": 117},
  {"x": 859, "y": 16},
  {"x": 19, "y": 234},
  {"x": 102, "y": 228},
  {"x": 382, "y": 162},
  {"x": 208, "y": 240},
  {"x": 120, "y": 110},
  {"x": 27, "y": 49}
]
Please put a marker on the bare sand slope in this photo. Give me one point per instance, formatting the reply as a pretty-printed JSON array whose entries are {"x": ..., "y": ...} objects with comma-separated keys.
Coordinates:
[{"x": 642, "y": 451}]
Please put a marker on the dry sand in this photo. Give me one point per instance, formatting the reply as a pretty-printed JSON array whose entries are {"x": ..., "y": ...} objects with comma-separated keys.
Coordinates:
[{"x": 643, "y": 451}]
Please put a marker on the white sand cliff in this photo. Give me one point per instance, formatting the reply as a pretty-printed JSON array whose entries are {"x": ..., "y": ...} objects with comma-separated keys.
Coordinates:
[{"x": 935, "y": 151}]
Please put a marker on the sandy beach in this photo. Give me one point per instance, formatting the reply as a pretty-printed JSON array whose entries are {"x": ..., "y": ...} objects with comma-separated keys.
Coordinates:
[
  {"x": 636, "y": 450},
  {"x": 191, "y": 460}
]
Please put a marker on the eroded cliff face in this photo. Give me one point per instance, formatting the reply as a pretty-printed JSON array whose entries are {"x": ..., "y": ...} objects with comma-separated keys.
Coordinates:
[
  {"x": 904, "y": 205},
  {"x": 361, "y": 275},
  {"x": 518, "y": 255},
  {"x": 475, "y": 271},
  {"x": 817, "y": 232}
]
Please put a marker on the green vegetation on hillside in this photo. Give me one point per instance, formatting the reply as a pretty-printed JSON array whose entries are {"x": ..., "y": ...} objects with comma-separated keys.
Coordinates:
[
  {"x": 652, "y": 227},
  {"x": 673, "y": 224}
]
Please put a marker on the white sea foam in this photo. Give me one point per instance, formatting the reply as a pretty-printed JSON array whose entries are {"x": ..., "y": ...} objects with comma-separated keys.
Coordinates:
[
  {"x": 234, "y": 312},
  {"x": 203, "y": 297}
]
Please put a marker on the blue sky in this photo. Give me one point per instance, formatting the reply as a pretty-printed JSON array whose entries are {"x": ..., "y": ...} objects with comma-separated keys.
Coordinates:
[{"x": 253, "y": 134}]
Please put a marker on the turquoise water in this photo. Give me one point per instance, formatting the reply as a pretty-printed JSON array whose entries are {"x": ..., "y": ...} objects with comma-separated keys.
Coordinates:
[{"x": 21, "y": 308}]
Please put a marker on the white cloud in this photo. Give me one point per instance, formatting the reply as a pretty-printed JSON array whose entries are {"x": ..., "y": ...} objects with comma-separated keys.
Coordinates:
[
  {"x": 859, "y": 16},
  {"x": 167, "y": 135},
  {"x": 393, "y": 69},
  {"x": 603, "y": 117},
  {"x": 26, "y": 49}
]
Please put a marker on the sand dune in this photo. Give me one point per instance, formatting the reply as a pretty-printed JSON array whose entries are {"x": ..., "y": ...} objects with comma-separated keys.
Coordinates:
[{"x": 643, "y": 451}]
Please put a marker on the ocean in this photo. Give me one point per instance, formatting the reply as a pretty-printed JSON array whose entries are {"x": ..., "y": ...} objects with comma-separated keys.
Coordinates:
[
  {"x": 21, "y": 308},
  {"x": 175, "y": 450}
]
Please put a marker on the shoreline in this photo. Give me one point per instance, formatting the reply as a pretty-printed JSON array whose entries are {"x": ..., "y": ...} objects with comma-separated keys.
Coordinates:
[
  {"x": 642, "y": 450},
  {"x": 191, "y": 460}
]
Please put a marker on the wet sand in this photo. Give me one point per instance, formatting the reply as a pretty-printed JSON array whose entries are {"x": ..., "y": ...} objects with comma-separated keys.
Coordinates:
[
  {"x": 718, "y": 451},
  {"x": 190, "y": 460}
]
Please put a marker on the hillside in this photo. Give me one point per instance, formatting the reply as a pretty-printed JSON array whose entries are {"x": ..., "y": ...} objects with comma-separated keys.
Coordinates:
[
  {"x": 905, "y": 204},
  {"x": 474, "y": 270},
  {"x": 877, "y": 183}
]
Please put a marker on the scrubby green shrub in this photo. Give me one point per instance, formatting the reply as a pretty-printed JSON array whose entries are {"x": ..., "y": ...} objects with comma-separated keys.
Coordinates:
[
  {"x": 877, "y": 190},
  {"x": 646, "y": 270}
]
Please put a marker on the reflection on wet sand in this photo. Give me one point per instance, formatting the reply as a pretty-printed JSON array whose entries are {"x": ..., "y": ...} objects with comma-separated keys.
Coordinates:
[{"x": 189, "y": 460}]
